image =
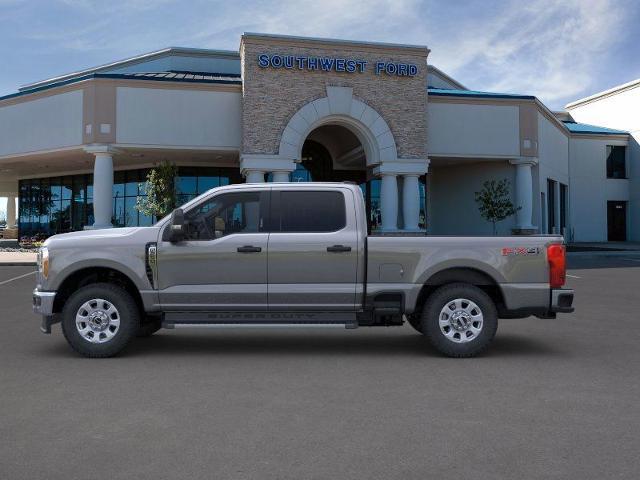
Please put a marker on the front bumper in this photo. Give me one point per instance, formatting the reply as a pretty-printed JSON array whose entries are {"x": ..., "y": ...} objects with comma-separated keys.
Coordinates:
[
  {"x": 43, "y": 305},
  {"x": 562, "y": 300}
]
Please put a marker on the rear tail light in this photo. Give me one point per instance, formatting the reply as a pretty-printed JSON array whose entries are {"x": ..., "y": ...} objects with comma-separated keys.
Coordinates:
[{"x": 557, "y": 265}]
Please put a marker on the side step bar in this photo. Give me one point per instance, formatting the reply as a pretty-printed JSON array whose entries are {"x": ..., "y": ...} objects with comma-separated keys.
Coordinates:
[{"x": 260, "y": 320}]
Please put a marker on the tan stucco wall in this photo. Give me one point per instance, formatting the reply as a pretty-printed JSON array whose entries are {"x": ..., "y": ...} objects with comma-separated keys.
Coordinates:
[{"x": 272, "y": 96}]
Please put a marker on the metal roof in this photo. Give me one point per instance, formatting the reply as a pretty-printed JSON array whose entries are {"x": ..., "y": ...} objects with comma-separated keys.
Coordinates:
[
  {"x": 135, "y": 60},
  {"x": 585, "y": 128},
  {"x": 177, "y": 75},
  {"x": 187, "y": 77},
  {"x": 444, "y": 92}
]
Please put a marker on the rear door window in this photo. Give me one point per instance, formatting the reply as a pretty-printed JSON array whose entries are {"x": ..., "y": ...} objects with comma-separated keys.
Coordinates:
[{"x": 312, "y": 211}]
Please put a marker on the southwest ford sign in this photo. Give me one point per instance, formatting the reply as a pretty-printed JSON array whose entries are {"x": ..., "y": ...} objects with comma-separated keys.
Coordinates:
[{"x": 334, "y": 64}]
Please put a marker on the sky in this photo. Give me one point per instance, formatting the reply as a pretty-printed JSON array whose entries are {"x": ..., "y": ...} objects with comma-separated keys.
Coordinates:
[{"x": 557, "y": 50}]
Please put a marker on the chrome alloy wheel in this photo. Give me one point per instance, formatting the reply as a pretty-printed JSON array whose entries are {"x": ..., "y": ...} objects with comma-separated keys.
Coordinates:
[
  {"x": 461, "y": 320},
  {"x": 97, "y": 320}
]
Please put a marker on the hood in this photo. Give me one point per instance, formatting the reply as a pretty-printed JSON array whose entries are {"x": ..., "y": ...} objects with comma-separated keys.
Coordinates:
[{"x": 107, "y": 236}]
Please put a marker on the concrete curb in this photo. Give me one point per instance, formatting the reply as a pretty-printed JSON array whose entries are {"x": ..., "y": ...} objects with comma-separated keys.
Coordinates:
[{"x": 18, "y": 264}]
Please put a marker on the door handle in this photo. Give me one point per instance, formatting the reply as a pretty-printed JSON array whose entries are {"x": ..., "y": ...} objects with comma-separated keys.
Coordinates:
[
  {"x": 339, "y": 248},
  {"x": 249, "y": 249}
]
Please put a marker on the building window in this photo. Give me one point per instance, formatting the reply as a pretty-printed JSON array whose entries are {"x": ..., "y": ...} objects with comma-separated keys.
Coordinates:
[
  {"x": 616, "y": 161},
  {"x": 563, "y": 207},
  {"x": 551, "y": 205},
  {"x": 62, "y": 204}
]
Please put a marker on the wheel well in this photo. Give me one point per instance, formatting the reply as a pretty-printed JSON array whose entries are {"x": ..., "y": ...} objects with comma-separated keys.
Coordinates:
[
  {"x": 87, "y": 276},
  {"x": 471, "y": 276}
]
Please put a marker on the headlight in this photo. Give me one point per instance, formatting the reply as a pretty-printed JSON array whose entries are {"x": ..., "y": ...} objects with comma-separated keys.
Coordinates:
[{"x": 43, "y": 261}]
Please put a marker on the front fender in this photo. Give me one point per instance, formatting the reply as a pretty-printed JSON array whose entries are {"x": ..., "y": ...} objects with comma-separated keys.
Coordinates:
[{"x": 65, "y": 264}]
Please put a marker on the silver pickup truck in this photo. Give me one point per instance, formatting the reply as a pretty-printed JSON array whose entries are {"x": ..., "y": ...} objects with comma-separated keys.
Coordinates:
[{"x": 291, "y": 254}]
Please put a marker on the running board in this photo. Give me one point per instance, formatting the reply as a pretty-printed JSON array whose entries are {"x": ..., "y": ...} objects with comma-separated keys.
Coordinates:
[{"x": 260, "y": 320}]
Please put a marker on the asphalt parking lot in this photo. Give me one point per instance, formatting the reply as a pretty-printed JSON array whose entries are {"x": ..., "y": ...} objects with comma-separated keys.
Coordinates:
[{"x": 551, "y": 399}]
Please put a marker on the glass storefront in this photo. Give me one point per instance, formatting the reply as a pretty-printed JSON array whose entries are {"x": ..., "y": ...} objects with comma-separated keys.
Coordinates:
[{"x": 63, "y": 204}]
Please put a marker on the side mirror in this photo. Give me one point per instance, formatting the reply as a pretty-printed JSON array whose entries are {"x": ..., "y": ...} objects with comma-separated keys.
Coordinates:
[{"x": 175, "y": 231}]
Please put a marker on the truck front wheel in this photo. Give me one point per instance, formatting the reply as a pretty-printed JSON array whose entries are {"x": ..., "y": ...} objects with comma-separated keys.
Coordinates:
[
  {"x": 99, "y": 320},
  {"x": 459, "y": 320}
]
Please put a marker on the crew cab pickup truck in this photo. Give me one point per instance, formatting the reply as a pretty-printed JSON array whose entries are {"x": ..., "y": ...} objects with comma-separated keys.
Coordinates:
[{"x": 291, "y": 254}]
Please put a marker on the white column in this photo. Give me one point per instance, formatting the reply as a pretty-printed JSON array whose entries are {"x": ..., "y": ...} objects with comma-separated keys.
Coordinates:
[
  {"x": 389, "y": 202},
  {"x": 280, "y": 176},
  {"x": 102, "y": 185},
  {"x": 524, "y": 193},
  {"x": 411, "y": 202},
  {"x": 254, "y": 176},
  {"x": 103, "y": 190},
  {"x": 11, "y": 212}
]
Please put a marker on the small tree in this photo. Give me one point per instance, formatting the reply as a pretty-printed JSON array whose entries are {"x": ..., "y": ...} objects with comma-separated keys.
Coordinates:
[
  {"x": 160, "y": 191},
  {"x": 494, "y": 202}
]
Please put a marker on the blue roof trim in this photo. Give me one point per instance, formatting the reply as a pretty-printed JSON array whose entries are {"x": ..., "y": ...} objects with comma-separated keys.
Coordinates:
[
  {"x": 585, "y": 128},
  {"x": 444, "y": 92},
  {"x": 225, "y": 80}
]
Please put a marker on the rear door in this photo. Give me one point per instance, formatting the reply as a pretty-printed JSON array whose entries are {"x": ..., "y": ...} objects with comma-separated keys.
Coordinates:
[{"x": 313, "y": 250}]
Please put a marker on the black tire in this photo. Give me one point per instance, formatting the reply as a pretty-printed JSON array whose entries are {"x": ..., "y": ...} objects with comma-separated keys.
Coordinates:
[
  {"x": 127, "y": 311},
  {"x": 148, "y": 328},
  {"x": 435, "y": 335},
  {"x": 416, "y": 322}
]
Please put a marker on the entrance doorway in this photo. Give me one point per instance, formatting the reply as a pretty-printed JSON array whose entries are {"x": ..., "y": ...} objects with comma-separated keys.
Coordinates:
[
  {"x": 333, "y": 153},
  {"x": 617, "y": 221}
]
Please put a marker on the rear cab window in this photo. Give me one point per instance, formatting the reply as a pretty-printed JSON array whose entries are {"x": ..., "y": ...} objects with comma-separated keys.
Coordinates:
[{"x": 309, "y": 211}]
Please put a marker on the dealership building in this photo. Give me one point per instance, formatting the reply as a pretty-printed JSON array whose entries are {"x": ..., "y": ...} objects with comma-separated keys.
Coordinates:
[{"x": 75, "y": 149}]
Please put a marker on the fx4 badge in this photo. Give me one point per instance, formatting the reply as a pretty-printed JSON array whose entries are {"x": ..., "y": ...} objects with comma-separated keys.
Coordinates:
[{"x": 508, "y": 251}]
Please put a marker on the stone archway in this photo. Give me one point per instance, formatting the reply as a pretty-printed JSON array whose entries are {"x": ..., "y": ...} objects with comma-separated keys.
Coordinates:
[{"x": 339, "y": 107}]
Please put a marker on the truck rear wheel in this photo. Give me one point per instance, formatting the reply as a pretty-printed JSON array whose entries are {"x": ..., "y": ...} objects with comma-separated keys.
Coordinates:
[
  {"x": 99, "y": 320},
  {"x": 459, "y": 320}
]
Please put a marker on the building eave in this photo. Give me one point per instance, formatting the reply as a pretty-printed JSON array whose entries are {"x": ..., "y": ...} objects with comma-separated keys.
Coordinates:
[
  {"x": 116, "y": 76},
  {"x": 606, "y": 93}
]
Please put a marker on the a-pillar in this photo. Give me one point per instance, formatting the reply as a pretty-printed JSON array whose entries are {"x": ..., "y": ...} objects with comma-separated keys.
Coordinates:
[
  {"x": 524, "y": 195},
  {"x": 102, "y": 185}
]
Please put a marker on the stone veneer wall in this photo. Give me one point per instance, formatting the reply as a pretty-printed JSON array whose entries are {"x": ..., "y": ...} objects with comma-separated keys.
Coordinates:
[{"x": 272, "y": 96}]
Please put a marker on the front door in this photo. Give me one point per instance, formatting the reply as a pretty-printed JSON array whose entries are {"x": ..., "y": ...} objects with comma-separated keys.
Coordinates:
[
  {"x": 222, "y": 263},
  {"x": 617, "y": 221},
  {"x": 313, "y": 251}
]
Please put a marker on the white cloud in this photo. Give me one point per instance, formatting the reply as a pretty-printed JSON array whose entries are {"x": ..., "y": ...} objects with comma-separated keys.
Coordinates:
[{"x": 547, "y": 48}]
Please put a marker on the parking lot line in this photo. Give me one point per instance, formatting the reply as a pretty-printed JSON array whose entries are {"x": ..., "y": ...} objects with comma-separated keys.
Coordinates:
[
  {"x": 17, "y": 278},
  {"x": 573, "y": 276}
]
